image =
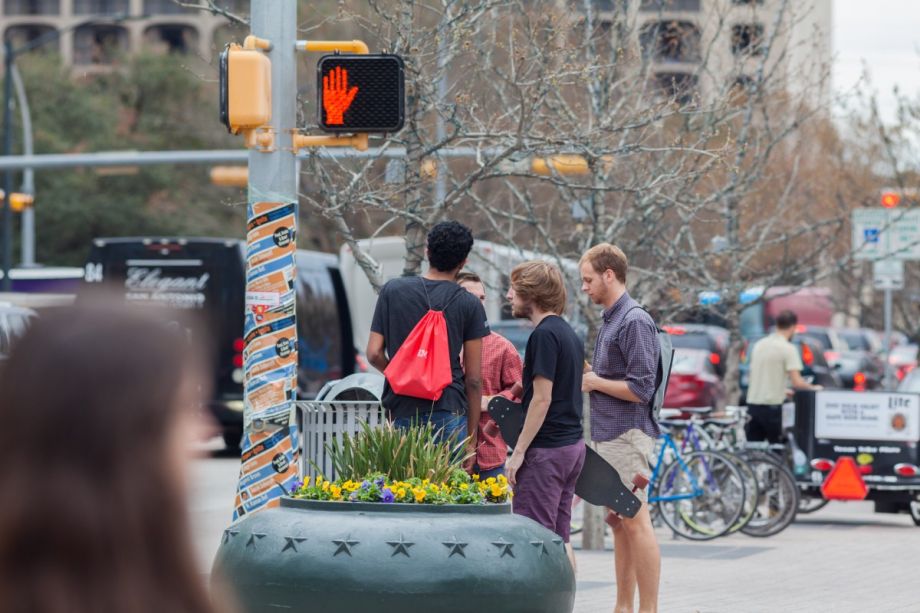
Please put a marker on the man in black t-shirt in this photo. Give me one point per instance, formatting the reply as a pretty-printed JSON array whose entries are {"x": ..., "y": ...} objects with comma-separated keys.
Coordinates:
[
  {"x": 401, "y": 305},
  {"x": 550, "y": 450}
]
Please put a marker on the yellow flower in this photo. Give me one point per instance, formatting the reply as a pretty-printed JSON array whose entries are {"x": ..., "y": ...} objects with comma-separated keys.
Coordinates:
[
  {"x": 401, "y": 493},
  {"x": 434, "y": 488},
  {"x": 476, "y": 477},
  {"x": 490, "y": 481},
  {"x": 325, "y": 486},
  {"x": 419, "y": 494},
  {"x": 464, "y": 486},
  {"x": 336, "y": 491},
  {"x": 496, "y": 491},
  {"x": 502, "y": 480}
]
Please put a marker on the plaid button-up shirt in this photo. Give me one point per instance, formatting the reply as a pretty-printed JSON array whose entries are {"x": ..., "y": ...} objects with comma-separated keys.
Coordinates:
[
  {"x": 501, "y": 369},
  {"x": 627, "y": 350}
]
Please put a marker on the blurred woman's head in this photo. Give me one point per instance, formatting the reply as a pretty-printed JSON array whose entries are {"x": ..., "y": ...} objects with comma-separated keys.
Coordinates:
[{"x": 96, "y": 404}]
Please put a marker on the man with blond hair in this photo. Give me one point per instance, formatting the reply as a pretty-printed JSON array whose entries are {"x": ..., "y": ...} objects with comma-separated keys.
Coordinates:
[
  {"x": 622, "y": 381},
  {"x": 550, "y": 451}
]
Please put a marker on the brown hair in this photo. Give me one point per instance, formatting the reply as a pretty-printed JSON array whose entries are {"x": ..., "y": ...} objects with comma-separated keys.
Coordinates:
[
  {"x": 468, "y": 277},
  {"x": 541, "y": 283},
  {"x": 93, "y": 518},
  {"x": 604, "y": 257}
]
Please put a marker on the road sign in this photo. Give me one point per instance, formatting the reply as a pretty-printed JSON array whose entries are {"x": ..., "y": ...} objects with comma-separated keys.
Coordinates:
[
  {"x": 361, "y": 93},
  {"x": 888, "y": 274},
  {"x": 886, "y": 233}
]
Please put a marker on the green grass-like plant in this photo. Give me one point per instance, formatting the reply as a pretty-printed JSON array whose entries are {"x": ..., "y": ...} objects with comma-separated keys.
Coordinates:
[{"x": 418, "y": 452}]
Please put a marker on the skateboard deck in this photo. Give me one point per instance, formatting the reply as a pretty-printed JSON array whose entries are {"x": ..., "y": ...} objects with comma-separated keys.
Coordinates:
[{"x": 599, "y": 482}]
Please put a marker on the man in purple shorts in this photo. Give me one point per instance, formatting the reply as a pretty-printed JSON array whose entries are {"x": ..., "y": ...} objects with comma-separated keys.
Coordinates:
[{"x": 550, "y": 450}]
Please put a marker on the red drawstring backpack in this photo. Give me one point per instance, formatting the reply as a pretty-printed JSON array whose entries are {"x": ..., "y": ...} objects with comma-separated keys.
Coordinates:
[{"x": 421, "y": 367}]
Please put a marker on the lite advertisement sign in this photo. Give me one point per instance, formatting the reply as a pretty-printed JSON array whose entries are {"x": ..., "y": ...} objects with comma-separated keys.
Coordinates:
[{"x": 867, "y": 416}]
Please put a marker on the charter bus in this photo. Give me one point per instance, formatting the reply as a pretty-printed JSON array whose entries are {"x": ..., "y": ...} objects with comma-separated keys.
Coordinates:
[{"x": 208, "y": 276}]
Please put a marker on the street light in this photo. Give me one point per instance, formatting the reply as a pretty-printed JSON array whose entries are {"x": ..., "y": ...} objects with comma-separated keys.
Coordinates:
[{"x": 9, "y": 58}]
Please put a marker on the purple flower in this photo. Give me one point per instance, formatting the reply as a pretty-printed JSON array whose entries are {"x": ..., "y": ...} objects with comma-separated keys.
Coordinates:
[
  {"x": 387, "y": 495},
  {"x": 379, "y": 482},
  {"x": 365, "y": 484},
  {"x": 297, "y": 485}
]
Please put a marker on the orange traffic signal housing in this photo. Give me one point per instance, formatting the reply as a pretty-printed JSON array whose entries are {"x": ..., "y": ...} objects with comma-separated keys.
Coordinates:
[
  {"x": 245, "y": 88},
  {"x": 844, "y": 482}
]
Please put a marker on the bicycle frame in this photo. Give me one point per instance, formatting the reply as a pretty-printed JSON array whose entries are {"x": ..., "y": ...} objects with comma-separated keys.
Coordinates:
[{"x": 668, "y": 443}]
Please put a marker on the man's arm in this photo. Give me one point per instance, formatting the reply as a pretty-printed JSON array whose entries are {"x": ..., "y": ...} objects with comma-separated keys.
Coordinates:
[
  {"x": 536, "y": 414},
  {"x": 512, "y": 373},
  {"x": 591, "y": 382},
  {"x": 472, "y": 381},
  {"x": 376, "y": 351},
  {"x": 795, "y": 376}
]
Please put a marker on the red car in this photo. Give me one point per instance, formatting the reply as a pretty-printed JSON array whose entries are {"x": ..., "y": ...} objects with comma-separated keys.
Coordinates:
[{"x": 694, "y": 382}]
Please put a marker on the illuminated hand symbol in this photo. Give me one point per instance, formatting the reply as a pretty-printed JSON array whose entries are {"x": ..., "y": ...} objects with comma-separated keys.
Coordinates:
[{"x": 336, "y": 95}]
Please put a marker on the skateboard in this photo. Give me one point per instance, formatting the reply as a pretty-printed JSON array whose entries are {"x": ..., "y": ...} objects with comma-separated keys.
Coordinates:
[{"x": 599, "y": 482}]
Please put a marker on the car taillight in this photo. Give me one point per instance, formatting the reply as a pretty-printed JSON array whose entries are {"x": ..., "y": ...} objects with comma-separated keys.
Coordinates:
[
  {"x": 906, "y": 470},
  {"x": 822, "y": 464},
  {"x": 238, "y": 345},
  {"x": 831, "y": 356},
  {"x": 865, "y": 470},
  {"x": 800, "y": 329},
  {"x": 714, "y": 359},
  {"x": 808, "y": 356},
  {"x": 237, "y": 360},
  {"x": 859, "y": 382}
]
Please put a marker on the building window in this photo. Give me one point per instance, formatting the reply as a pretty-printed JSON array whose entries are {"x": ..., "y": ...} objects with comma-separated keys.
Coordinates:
[
  {"x": 100, "y": 7},
  {"x": 32, "y": 7},
  {"x": 679, "y": 87},
  {"x": 670, "y": 41},
  {"x": 22, "y": 35},
  {"x": 99, "y": 44},
  {"x": 669, "y": 5},
  {"x": 747, "y": 39},
  {"x": 172, "y": 38}
]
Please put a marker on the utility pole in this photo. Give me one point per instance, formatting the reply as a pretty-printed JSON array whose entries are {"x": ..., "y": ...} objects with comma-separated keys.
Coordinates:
[
  {"x": 8, "y": 175},
  {"x": 270, "y": 330}
]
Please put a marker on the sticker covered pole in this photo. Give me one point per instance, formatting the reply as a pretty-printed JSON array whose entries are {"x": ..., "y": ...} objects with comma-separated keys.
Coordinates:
[{"x": 269, "y": 465}]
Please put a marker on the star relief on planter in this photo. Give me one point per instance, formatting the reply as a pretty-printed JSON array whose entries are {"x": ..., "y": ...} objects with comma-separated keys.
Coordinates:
[
  {"x": 455, "y": 546},
  {"x": 344, "y": 545},
  {"x": 541, "y": 547},
  {"x": 504, "y": 546},
  {"x": 291, "y": 542},
  {"x": 254, "y": 538},
  {"x": 400, "y": 546}
]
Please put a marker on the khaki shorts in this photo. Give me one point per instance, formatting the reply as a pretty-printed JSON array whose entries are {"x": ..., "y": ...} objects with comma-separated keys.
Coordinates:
[{"x": 630, "y": 453}]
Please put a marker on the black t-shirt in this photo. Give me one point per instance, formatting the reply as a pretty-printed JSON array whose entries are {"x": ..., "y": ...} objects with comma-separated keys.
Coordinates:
[
  {"x": 400, "y": 306},
  {"x": 555, "y": 352}
]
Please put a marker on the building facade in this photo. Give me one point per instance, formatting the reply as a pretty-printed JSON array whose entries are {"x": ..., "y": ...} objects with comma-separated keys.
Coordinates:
[
  {"x": 707, "y": 47},
  {"x": 95, "y": 32}
]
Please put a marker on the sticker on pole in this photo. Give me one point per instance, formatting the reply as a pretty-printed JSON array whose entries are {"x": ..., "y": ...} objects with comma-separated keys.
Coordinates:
[{"x": 844, "y": 482}]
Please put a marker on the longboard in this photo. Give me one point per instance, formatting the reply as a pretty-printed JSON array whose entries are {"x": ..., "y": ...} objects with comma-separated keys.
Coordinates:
[{"x": 599, "y": 482}]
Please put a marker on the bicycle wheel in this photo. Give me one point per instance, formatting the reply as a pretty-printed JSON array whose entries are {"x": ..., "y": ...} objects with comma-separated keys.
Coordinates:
[
  {"x": 751, "y": 491},
  {"x": 702, "y": 496},
  {"x": 809, "y": 504},
  {"x": 779, "y": 497}
]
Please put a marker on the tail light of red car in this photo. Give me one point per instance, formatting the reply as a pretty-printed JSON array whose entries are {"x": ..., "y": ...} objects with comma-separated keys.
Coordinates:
[
  {"x": 808, "y": 356},
  {"x": 859, "y": 382}
]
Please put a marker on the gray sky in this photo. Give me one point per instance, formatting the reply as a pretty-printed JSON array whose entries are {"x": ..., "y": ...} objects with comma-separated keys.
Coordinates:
[{"x": 885, "y": 36}]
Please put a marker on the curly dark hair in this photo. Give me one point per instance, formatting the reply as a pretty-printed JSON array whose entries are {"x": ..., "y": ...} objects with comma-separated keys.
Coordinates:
[{"x": 449, "y": 243}]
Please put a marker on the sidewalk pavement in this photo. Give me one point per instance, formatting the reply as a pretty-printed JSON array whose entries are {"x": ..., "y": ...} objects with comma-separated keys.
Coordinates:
[{"x": 842, "y": 559}]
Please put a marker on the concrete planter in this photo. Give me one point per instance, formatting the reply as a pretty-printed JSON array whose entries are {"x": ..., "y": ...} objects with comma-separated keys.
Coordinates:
[{"x": 359, "y": 557}]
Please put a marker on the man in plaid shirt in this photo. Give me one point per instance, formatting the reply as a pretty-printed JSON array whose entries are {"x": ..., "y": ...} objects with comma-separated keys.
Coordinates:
[
  {"x": 501, "y": 376},
  {"x": 621, "y": 381}
]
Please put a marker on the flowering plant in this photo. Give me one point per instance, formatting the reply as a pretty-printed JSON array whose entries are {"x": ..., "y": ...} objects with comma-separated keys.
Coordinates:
[{"x": 461, "y": 488}]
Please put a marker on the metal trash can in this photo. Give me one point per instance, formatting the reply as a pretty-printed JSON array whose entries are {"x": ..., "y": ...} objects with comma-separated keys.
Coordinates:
[{"x": 341, "y": 407}]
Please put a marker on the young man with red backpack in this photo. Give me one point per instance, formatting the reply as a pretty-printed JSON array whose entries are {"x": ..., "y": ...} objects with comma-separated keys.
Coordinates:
[{"x": 419, "y": 328}]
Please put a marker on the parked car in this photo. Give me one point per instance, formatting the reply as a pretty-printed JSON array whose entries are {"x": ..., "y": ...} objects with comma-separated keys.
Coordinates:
[
  {"x": 827, "y": 337},
  {"x": 14, "y": 321},
  {"x": 811, "y": 351},
  {"x": 860, "y": 370},
  {"x": 911, "y": 382},
  {"x": 903, "y": 359},
  {"x": 712, "y": 339},
  {"x": 862, "y": 339},
  {"x": 694, "y": 382}
]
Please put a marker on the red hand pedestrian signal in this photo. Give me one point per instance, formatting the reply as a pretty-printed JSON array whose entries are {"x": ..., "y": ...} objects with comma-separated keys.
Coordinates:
[{"x": 336, "y": 95}]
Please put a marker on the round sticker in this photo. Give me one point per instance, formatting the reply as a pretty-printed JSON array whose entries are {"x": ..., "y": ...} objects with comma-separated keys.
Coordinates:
[
  {"x": 898, "y": 421},
  {"x": 282, "y": 237},
  {"x": 280, "y": 463},
  {"x": 283, "y": 347}
]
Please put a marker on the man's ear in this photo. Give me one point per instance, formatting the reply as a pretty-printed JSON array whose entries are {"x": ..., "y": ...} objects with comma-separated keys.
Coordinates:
[{"x": 609, "y": 276}]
